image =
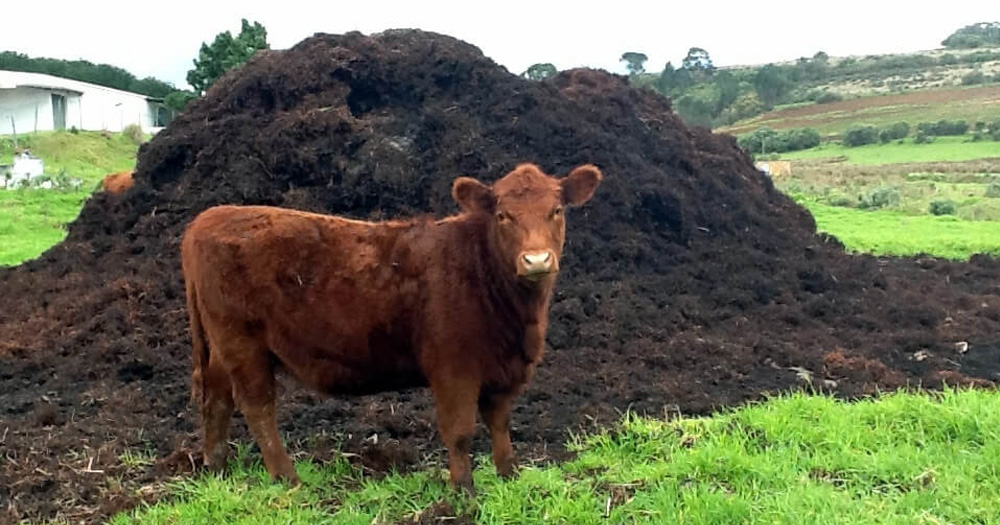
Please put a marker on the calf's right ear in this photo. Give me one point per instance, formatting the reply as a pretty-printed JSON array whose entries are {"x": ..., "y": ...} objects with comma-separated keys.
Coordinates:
[{"x": 472, "y": 195}]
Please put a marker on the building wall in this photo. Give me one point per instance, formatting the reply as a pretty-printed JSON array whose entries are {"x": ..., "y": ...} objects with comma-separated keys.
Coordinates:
[
  {"x": 24, "y": 104},
  {"x": 110, "y": 110},
  {"x": 88, "y": 107}
]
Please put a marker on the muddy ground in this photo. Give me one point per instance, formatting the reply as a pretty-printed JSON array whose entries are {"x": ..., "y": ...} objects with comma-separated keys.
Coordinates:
[{"x": 689, "y": 283}]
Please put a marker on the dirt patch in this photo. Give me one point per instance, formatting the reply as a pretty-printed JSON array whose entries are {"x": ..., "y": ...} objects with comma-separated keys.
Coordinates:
[{"x": 689, "y": 281}]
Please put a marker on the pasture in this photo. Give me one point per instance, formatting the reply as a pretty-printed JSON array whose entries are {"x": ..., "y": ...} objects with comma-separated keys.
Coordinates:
[
  {"x": 943, "y": 149},
  {"x": 903, "y": 458}
]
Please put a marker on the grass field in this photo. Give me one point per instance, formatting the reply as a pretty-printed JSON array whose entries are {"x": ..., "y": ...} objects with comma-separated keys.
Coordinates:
[
  {"x": 972, "y": 104},
  {"x": 797, "y": 459},
  {"x": 86, "y": 155},
  {"x": 890, "y": 232},
  {"x": 944, "y": 149},
  {"x": 32, "y": 220}
]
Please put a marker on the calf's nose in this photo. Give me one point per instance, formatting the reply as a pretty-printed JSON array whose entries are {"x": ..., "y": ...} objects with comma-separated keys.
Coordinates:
[{"x": 537, "y": 262}]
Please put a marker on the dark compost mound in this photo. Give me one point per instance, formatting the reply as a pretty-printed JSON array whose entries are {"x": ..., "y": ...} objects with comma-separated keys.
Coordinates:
[{"x": 689, "y": 281}]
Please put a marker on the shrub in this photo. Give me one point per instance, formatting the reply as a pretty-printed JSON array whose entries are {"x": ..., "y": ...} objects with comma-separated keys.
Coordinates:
[
  {"x": 860, "y": 135},
  {"x": 134, "y": 133},
  {"x": 993, "y": 190},
  {"x": 827, "y": 97},
  {"x": 769, "y": 141},
  {"x": 883, "y": 197},
  {"x": 942, "y": 207},
  {"x": 922, "y": 138},
  {"x": 943, "y": 128},
  {"x": 841, "y": 201},
  {"x": 973, "y": 78}
]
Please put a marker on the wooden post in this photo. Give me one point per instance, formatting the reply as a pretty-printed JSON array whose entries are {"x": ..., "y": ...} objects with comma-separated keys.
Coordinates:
[{"x": 13, "y": 129}]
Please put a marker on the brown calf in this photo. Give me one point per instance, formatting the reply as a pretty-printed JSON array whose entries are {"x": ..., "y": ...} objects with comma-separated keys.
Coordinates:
[
  {"x": 459, "y": 304},
  {"x": 117, "y": 183}
]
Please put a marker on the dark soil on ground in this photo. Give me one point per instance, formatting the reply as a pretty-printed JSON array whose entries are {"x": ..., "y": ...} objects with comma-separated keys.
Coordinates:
[{"x": 689, "y": 282}]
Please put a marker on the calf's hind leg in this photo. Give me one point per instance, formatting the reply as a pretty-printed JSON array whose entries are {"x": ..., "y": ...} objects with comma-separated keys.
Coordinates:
[
  {"x": 216, "y": 414},
  {"x": 252, "y": 373}
]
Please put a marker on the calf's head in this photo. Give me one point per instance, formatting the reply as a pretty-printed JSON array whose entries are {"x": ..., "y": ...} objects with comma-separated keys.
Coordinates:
[{"x": 525, "y": 215}]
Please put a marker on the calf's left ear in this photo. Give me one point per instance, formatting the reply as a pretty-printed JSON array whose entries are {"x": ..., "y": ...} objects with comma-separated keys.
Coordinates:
[{"x": 578, "y": 187}]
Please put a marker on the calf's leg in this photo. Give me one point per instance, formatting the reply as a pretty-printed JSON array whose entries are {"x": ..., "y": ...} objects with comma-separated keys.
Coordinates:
[
  {"x": 495, "y": 410},
  {"x": 216, "y": 415},
  {"x": 252, "y": 374},
  {"x": 455, "y": 404}
]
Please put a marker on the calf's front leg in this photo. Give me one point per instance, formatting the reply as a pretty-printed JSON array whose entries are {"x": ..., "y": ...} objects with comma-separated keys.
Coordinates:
[
  {"x": 455, "y": 403},
  {"x": 495, "y": 410}
]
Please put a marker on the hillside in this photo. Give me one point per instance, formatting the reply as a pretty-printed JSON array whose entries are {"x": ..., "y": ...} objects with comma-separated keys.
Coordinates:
[
  {"x": 707, "y": 95},
  {"x": 972, "y": 104}
]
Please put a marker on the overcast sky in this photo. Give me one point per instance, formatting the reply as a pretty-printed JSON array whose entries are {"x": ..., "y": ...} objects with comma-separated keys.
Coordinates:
[{"x": 160, "y": 39}]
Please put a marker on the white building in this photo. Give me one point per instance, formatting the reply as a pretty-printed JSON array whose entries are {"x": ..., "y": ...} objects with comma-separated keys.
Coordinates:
[{"x": 38, "y": 102}]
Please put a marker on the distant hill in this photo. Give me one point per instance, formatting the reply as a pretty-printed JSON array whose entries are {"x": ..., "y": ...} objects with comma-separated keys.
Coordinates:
[{"x": 721, "y": 97}]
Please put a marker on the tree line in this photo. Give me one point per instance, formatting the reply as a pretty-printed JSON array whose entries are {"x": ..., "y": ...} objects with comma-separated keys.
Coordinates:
[{"x": 224, "y": 53}]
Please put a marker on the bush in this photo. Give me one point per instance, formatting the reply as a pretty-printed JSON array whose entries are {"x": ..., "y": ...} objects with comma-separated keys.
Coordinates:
[
  {"x": 805, "y": 138},
  {"x": 134, "y": 133},
  {"x": 973, "y": 78},
  {"x": 993, "y": 190},
  {"x": 942, "y": 207},
  {"x": 896, "y": 131},
  {"x": 879, "y": 198},
  {"x": 943, "y": 128},
  {"x": 947, "y": 59},
  {"x": 841, "y": 201},
  {"x": 768, "y": 141},
  {"x": 922, "y": 138},
  {"x": 860, "y": 135},
  {"x": 826, "y": 97}
]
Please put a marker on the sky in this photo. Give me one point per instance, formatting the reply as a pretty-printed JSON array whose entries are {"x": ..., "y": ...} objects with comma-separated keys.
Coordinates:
[{"x": 161, "y": 40}]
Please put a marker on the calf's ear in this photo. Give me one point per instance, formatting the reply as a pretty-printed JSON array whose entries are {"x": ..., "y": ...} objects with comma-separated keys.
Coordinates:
[
  {"x": 578, "y": 187},
  {"x": 472, "y": 195}
]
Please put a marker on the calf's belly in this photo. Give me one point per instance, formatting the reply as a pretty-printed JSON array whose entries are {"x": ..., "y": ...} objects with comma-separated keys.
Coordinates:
[{"x": 351, "y": 365}]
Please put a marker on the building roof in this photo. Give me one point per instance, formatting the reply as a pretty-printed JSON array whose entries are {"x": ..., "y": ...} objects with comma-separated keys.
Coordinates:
[{"x": 16, "y": 79}]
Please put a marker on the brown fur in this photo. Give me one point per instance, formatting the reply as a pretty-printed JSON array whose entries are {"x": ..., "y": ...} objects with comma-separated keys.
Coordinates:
[
  {"x": 117, "y": 183},
  {"x": 360, "y": 307}
]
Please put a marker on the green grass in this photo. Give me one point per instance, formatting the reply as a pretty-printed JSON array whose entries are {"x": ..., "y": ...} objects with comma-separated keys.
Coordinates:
[
  {"x": 31, "y": 221},
  {"x": 944, "y": 149},
  {"x": 797, "y": 459},
  {"x": 891, "y": 232},
  {"x": 86, "y": 155}
]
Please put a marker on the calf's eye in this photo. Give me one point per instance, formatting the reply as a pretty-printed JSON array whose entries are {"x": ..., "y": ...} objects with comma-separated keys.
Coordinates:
[{"x": 557, "y": 212}]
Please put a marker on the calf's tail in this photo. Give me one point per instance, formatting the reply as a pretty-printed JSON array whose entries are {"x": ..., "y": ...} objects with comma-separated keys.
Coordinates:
[{"x": 199, "y": 346}]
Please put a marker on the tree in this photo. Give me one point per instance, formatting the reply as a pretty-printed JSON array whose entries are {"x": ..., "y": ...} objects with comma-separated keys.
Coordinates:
[
  {"x": 179, "y": 99},
  {"x": 697, "y": 59},
  {"x": 225, "y": 53},
  {"x": 673, "y": 81},
  {"x": 983, "y": 34},
  {"x": 729, "y": 90},
  {"x": 635, "y": 62},
  {"x": 771, "y": 84},
  {"x": 540, "y": 71}
]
